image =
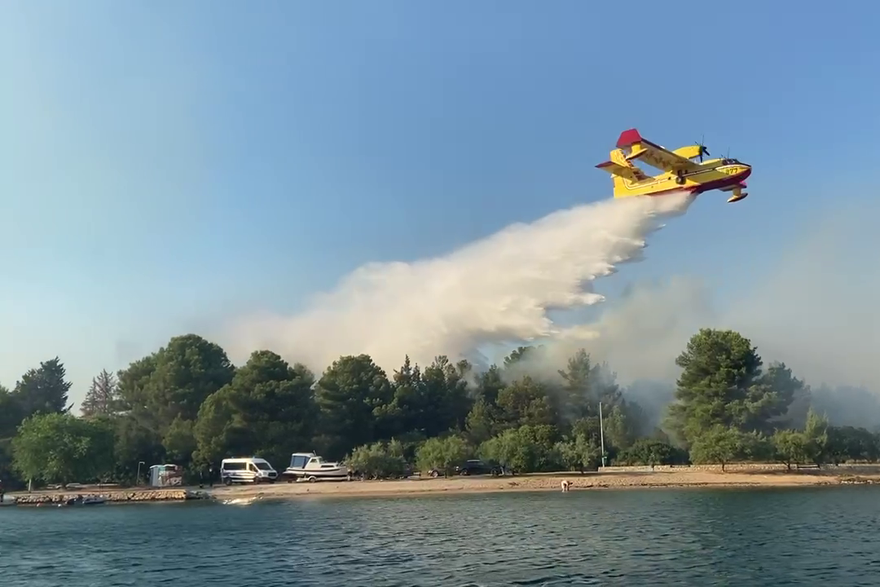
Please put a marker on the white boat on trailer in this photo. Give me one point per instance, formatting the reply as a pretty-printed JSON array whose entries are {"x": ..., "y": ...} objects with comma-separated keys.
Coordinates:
[{"x": 310, "y": 467}]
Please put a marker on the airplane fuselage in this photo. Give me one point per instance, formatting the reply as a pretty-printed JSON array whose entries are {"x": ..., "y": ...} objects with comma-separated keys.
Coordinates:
[
  {"x": 717, "y": 174},
  {"x": 681, "y": 171}
]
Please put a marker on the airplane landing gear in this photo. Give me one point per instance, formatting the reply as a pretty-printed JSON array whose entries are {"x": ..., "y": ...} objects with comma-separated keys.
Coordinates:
[{"x": 738, "y": 195}]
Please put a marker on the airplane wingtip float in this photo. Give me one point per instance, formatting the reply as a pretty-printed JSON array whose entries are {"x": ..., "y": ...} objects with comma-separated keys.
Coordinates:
[{"x": 683, "y": 170}]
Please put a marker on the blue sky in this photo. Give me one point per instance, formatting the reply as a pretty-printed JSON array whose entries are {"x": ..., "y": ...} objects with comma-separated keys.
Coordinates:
[{"x": 163, "y": 165}]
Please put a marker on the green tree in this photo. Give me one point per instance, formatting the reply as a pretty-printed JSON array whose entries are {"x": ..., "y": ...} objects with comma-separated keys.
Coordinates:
[
  {"x": 268, "y": 409},
  {"x": 443, "y": 454},
  {"x": 781, "y": 388},
  {"x": 379, "y": 460},
  {"x": 526, "y": 402},
  {"x": 7, "y": 471},
  {"x": 405, "y": 413},
  {"x": 526, "y": 449},
  {"x": 519, "y": 355},
  {"x": 847, "y": 443},
  {"x": 170, "y": 386},
  {"x": 755, "y": 447},
  {"x": 61, "y": 448},
  {"x": 585, "y": 386},
  {"x": 133, "y": 388},
  {"x": 802, "y": 399},
  {"x": 179, "y": 440},
  {"x": 483, "y": 422},
  {"x": 102, "y": 397},
  {"x": 446, "y": 395},
  {"x": 486, "y": 418},
  {"x": 216, "y": 431},
  {"x": 10, "y": 418},
  {"x": 649, "y": 452},
  {"x": 717, "y": 445},
  {"x": 790, "y": 447},
  {"x": 579, "y": 395},
  {"x": 488, "y": 385},
  {"x": 43, "y": 390},
  {"x": 816, "y": 434},
  {"x": 186, "y": 402},
  {"x": 620, "y": 426},
  {"x": 134, "y": 444},
  {"x": 579, "y": 453},
  {"x": 10, "y": 413},
  {"x": 721, "y": 384},
  {"x": 589, "y": 428},
  {"x": 351, "y": 394},
  {"x": 427, "y": 402}
]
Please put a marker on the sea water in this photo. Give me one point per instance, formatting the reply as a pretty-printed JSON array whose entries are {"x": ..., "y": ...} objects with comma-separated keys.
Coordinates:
[{"x": 755, "y": 537}]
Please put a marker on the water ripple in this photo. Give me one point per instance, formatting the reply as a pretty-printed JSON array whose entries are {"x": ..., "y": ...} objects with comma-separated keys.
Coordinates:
[{"x": 660, "y": 537}]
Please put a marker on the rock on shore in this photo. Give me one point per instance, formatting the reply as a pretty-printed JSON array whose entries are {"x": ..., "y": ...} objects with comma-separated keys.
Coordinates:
[{"x": 36, "y": 499}]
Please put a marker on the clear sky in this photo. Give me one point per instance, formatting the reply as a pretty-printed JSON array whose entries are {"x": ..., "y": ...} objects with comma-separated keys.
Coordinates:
[{"x": 164, "y": 164}]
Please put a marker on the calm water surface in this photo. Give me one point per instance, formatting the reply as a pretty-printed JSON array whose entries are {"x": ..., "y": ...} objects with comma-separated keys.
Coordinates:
[{"x": 828, "y": 537}]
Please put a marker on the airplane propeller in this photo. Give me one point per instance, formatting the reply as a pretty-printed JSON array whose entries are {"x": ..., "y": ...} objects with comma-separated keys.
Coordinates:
[{"x": 703, "y": 149}]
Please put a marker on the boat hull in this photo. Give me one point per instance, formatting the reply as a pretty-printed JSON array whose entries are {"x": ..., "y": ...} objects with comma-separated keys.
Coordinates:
[{"x": 336, "y": 474}]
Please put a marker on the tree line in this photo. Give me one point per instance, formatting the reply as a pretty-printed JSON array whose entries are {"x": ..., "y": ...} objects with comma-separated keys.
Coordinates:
[{"x": 188, "y": 404}]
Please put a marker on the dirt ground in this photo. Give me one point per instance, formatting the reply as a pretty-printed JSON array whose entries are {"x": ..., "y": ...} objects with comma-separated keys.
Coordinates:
[
  {"x": 754, "y": 476},
  {"x": 606, "y": 480}
]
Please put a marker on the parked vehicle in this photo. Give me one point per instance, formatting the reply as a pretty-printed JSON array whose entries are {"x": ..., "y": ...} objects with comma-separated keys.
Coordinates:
[
  {"x": 80, "y": 500},
  {"x": 247, "y": 470},
  {"x": 311, "y": 467},
  {"x": 471, "y": 467},
  {"x": 166, "y": 476},
  {"x": 476, "y": 467}
]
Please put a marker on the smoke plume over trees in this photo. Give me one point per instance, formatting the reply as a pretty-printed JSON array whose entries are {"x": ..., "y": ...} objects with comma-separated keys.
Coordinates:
[{"x": 187, "y": 403}]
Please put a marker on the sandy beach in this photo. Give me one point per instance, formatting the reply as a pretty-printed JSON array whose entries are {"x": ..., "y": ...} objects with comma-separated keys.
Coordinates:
[
  {"x": 609, "y": 478},
  {"x": 769, "y": 476}
]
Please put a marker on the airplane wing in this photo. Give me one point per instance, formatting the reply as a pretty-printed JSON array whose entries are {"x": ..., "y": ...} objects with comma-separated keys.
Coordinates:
[
  {"x": 653, "y": 154},
  {"x": 630, "y": 172}
]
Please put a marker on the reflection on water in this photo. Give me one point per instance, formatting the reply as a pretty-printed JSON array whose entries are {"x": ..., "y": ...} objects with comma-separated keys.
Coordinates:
[{"x": 825, "y": 537}]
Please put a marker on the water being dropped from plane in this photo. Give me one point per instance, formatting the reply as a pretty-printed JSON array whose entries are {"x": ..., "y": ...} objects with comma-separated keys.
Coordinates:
[{"x": 495, "y": 290}]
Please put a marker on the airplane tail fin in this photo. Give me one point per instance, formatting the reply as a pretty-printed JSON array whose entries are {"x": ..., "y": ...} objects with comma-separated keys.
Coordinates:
[
  {"x": 629, "y": 138},
  {"x": 624, "y": 188},
  {"x": 620, "y": 190},
  {"x": 622, "y": 172}
]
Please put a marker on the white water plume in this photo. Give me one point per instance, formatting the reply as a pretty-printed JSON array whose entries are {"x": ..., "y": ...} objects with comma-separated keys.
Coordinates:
[{"x": 496, "y": 290}]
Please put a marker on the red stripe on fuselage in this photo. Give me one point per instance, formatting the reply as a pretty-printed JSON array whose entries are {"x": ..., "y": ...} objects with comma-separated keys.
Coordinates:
[{"x": 708, "y": 186}]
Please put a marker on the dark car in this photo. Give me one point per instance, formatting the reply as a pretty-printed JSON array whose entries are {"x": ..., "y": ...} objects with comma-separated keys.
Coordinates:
[{"x": 476, "y": 467}]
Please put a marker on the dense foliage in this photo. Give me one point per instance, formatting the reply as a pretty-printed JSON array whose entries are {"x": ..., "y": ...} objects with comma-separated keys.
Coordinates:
[{"x": 186, "y": 403}]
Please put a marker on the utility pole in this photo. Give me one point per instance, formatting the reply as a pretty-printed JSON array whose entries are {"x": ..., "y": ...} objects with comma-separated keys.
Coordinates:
[{"x": 601, "y": 434}]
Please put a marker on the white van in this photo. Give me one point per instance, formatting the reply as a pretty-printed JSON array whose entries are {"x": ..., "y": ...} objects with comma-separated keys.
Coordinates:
[{"x": 247, "y": 470}]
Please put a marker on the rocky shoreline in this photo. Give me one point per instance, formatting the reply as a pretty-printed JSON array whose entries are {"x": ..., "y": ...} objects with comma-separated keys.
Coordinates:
[{"x": 116, "y": 496}]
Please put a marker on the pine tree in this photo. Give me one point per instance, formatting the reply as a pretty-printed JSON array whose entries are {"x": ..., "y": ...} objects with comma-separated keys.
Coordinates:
[
  {"x": 43, "y": 390},
  {"x": 102, "y": 397}
]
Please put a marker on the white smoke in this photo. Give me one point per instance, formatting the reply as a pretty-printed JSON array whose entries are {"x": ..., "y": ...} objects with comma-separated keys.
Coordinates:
[
  {"x": 815, "y": 309},
  {"x": 640, "y": 334},
  {"x": 496, "y": 290}
]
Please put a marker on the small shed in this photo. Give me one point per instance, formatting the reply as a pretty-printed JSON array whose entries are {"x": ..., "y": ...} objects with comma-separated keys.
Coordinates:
[{"x": 166, "y": 476}]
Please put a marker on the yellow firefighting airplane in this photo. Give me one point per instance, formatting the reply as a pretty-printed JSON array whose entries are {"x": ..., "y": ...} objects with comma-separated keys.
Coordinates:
[{"x": 681, "y": 173}]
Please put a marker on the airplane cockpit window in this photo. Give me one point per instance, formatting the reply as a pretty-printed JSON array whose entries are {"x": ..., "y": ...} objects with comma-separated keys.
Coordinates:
[{"x": 729, "y": 162}]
